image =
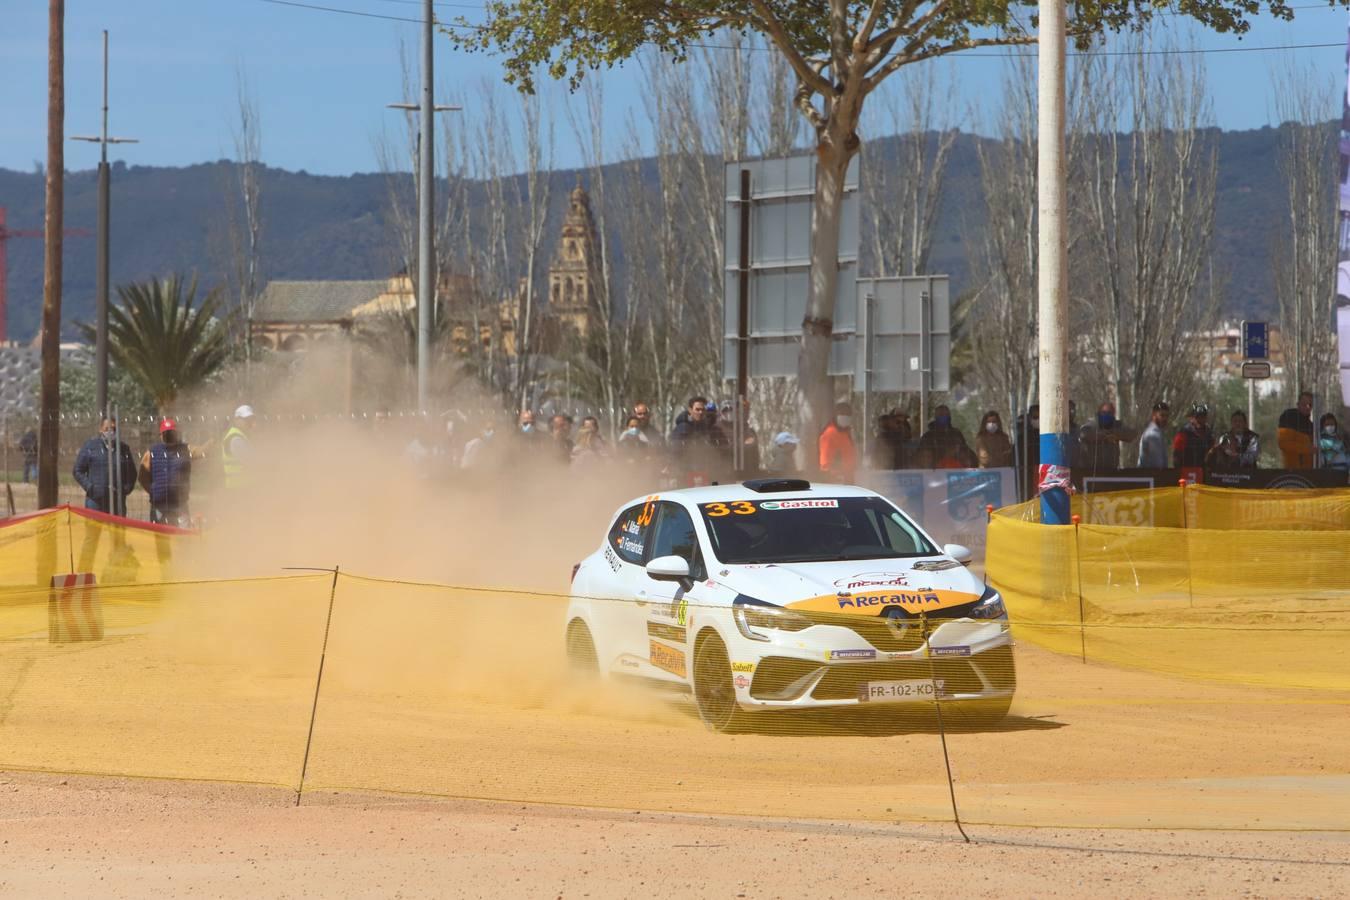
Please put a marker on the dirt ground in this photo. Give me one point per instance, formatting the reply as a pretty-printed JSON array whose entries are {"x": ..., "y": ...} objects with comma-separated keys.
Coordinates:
[{"x": 99, "y": 837}]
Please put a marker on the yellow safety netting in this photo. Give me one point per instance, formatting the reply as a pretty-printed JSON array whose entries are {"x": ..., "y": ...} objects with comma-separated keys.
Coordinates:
[
  {"x": 1247, "y": 598},
  {"x": 1172, "y": 702}
]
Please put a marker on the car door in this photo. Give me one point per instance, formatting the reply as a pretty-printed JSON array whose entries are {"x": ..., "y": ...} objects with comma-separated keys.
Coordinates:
[
  {"x": 621, "y": 616},
  {"x": 666, "y": 602}
]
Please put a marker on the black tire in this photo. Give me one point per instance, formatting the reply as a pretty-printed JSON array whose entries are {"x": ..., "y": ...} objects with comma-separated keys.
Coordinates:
[
  {"x": 581, "y": 659},
  {"x": 714, "y": 693}
]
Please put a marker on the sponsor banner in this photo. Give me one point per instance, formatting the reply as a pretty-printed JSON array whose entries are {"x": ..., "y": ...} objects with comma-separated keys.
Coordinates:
[
  {"x": 950, "y": 504},
  {"x": 1137, "y": 479},
  {"x": 872, "y": 603},
  {"x": 799, "y": 504},
  {"x": 666, "y": 632},
  {"x": 667, "y": 658}
]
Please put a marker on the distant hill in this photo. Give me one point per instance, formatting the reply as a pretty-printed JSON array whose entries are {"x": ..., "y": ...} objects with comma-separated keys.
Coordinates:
[{"x": 169, "y": 219}]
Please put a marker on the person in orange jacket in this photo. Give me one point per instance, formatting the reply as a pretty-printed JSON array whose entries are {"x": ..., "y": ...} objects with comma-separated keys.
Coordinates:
[{"x": 838, "y": 455}]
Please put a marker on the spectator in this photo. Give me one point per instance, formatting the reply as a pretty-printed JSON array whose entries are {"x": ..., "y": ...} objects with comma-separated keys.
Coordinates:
[
  {"x": 783, "y": 453},
  {"x": 94, "y": 472},
  {"x": 993, "y": 447},
  {"x": 1193, "y": 442},
  {"x": 1029, "y": 449},
  {"x": 166, "y": 475},
  {"x": 478, "y": 450},
  {"x": 236, "y": 450},
  {"x": 893, "y": 437},
  {"x": 590, "y": 444},
  {"x": 28, "y": 446},
  {"x": 560, "y": 436},
  {"x": 1295, "y": 435},
  {"x": 1153, "y": 442},
  {"x": 649, "y": 432},
  {"x": 526, "y": 427},
  {"x": 1331, "y": 445},
  {"x": 633, "y": 443},
  {"x": 1100, "y": 441},
  {"x": 944, "y": 446},
  {"x": 749, "y": 437},
  {"x": 1237, "y": 448},
  {"x": 697, "y": 444},
  {"x": 838, "y": 455}
]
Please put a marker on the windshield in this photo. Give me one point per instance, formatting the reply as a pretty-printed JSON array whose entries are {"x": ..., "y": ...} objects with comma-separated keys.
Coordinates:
[{"x": 811, "y": 530}]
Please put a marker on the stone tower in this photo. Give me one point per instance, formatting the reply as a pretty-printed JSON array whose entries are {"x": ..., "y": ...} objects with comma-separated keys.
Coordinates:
[{"x": 572, "y": 274}]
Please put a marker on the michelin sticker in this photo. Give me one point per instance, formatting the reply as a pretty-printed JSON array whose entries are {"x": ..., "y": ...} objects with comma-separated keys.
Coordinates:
[
  {"x": 851, "y": 654},
  {"x": 949, "y": 651}
]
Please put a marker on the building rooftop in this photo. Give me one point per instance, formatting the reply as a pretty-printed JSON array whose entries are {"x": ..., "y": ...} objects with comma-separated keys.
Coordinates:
[{"x": 314, "y": 301}]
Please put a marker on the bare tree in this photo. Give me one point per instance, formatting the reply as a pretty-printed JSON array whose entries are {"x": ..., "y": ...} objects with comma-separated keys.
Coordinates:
[
  {"x": 1305, "y": 248},
  {"x": 245, "y": 207},
  {"x": 1004, "y": 333},
  {"x": 902, "y": 195},
  {"x": 1145, "y": 195},
  {"x": 537, "y": 139}
]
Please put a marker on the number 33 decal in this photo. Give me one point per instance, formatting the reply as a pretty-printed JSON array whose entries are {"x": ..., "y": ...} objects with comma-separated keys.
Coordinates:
[{"x": 740, "y": 508}]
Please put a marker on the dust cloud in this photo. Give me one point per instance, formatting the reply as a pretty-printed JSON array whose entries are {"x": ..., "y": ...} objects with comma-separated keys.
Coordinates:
[{"x": 451, "y": 578}]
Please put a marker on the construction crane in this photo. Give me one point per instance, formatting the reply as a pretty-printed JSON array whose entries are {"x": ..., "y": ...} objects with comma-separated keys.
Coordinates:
[{"x": 5, "y": 235}]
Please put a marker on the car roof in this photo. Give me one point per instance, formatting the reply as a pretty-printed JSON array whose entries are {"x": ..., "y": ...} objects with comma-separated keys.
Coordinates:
[{"x": 726, "y": 493}]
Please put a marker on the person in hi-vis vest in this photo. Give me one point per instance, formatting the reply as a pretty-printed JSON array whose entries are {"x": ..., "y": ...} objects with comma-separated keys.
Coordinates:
[{"x": 235, "y": 449}]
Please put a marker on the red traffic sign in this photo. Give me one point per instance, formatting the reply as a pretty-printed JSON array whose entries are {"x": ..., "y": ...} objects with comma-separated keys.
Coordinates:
[{"x": 1256, "y": 370}]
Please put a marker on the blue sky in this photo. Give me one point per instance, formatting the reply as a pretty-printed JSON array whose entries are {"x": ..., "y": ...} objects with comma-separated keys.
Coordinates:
[{"x": 323, "y": 79}]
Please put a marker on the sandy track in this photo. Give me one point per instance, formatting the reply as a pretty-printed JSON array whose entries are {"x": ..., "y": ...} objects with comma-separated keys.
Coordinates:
[{"x": 98, "y": 837}]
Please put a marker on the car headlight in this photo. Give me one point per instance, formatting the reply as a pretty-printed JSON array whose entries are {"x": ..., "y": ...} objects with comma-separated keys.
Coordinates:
[
  {"x": 750, "y": 617},
  {"x": 990, "y": 606}
]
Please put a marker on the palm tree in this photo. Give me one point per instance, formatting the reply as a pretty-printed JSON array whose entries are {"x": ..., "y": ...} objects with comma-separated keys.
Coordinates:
[{"x": 164, "y": 339}]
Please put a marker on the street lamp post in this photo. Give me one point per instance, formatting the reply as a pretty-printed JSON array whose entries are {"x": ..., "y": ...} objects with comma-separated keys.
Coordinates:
[
  {"x": 104, "y": 223},
  {"x": 426, "y": 186},
  {"x": 1052, "y": 283}
]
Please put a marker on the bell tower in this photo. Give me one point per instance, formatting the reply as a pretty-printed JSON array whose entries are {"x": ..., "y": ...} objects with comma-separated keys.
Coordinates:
[{"x": 572, "y": 274}]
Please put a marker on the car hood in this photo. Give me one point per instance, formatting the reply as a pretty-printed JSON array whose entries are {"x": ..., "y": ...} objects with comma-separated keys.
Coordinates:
[{"x": 856, "y": 587}]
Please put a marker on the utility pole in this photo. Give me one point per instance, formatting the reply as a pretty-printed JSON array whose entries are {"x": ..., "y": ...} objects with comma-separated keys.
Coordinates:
[
  {"x": 426, "y": 187},
  {"x": 104, "y": 223},
  {"x": 1053, "y": 277},
  {"x": 49, "y": 431}
]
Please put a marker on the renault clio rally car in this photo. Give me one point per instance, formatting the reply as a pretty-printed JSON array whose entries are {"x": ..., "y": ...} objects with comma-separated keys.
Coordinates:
[{"x": 777, "y": 594}]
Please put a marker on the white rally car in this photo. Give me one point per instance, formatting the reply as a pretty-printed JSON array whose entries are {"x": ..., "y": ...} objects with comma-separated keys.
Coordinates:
[{"x": 780, "y": 594}]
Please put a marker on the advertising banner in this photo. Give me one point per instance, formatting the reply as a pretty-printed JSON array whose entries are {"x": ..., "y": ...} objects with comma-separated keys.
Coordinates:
[{"x": 951, "y": 504}]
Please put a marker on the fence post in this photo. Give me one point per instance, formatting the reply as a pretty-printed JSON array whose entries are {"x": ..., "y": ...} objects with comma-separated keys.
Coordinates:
[
  {"x": 318, "y": 682},
  {"x": 1078, "y": 567},
  {"x": 942, "y": 729}
]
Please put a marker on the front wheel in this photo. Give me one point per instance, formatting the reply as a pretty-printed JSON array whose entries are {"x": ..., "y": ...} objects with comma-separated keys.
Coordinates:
[{"x": 714, "y": 693}]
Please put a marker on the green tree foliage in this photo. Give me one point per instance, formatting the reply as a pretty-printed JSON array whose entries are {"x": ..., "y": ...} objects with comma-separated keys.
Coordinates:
[
  {"x": 839, "y": 52},
  {"x": 167, "y": 341}
]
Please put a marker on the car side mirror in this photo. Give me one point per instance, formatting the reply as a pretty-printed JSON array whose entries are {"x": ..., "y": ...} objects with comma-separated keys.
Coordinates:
[
  {"x": 959, "y": 552},
  {"x": 668, "y": 568}
]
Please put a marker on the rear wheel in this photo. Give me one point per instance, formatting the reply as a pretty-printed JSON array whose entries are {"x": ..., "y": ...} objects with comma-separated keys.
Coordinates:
[
  {"x": 581, "y": 658},
  {"x": 714, "y": 693}
]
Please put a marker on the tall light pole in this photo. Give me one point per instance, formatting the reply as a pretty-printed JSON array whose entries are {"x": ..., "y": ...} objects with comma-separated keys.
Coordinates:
[
  {"x": 426, "y": 188},
  {"x": 104, "y": 207},
  {"x": 1053, "y": 273}
]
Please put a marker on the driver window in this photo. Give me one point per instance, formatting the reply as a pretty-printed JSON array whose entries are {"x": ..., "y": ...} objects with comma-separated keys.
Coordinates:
[
  {"x": 903, "y": 537},
  {"x": 675, "y": 536}
]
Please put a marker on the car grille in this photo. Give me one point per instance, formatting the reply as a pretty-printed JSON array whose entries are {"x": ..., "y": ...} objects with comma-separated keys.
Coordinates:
[
  {"x": 776, "y": 674},
  {"x": 843, "y": 682}
]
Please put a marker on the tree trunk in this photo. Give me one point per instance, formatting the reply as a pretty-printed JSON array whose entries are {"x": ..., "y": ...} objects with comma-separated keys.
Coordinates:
[
  {"x": 814, "y": 398},
  {"x": 49, "y": 434}
]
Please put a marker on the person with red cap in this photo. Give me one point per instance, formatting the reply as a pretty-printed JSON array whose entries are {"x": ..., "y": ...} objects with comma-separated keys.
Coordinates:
[{"x": 166, "y": 475}]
